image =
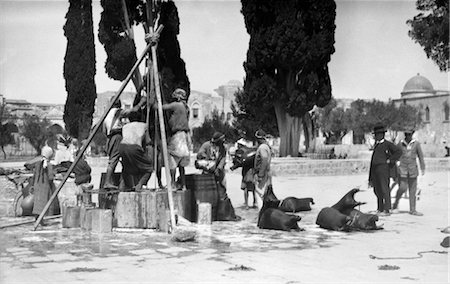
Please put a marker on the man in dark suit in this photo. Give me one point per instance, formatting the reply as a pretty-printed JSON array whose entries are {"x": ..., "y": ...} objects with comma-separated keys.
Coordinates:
[{"x": 384, "y": 155}]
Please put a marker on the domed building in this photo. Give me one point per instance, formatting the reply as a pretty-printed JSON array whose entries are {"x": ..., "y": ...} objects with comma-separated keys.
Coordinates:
[{"x": 434, "y": 106}]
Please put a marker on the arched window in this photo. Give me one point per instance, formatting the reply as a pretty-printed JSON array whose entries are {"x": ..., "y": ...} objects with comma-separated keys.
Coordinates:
[
  {"x": 427, "y": 114},
  {"x": 195, "y": 111},
  {"x": 446, "y": 112}
]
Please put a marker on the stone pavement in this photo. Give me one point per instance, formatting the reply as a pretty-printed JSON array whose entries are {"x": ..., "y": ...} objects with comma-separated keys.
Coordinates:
[{"x": 239, "y": 252}]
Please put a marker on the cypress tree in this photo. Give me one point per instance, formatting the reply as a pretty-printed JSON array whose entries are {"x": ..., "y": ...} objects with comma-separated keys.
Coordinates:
[
  {"x": 79, "y": 69},
  {"x": 291, "y": 42}
]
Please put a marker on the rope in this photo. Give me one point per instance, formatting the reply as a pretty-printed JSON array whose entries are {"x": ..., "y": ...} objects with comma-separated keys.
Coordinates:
[{"x": 420, "y": 255}]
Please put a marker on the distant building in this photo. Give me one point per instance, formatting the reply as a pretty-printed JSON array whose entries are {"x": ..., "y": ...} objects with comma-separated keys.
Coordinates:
[
  {"x": 202, "y": 105},
  {"x": 102, "y": 102},
  {"x": 18, "y": 108},
  {"x": 434, "y": 107}
]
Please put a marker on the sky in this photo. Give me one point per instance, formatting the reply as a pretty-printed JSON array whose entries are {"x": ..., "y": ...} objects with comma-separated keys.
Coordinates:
[{"x": 373, "y": 60}]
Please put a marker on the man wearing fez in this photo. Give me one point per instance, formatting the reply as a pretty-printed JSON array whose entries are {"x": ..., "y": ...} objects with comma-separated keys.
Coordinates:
[
  {"x": 385, "y": 153},
  {"x": 408, "y": 170}
]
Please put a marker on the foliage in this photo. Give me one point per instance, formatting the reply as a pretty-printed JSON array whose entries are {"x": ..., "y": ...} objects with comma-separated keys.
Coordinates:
[
  {"x": 171, "y": 67},
  {"x": 79, "y": 69},
  {"x": 116, "y": 39},
  {"x": 291, "y": 42},
  {"x": 334, "y": 122},
  {"x": 430, "y": 28},
  {"x": 406, "y": 117},
  {"x": 36, "y": 130},
  {"x": 247, "y": 123},
  {"x": 116, "y": 35},
  {"x": 210, "y": 125},
  {"x": 6, "y": 129},
  {"x": 362, "y": 116}
]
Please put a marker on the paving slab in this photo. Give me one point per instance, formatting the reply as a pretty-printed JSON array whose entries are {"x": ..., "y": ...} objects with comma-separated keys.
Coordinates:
[{"x": 406, "y": 250}]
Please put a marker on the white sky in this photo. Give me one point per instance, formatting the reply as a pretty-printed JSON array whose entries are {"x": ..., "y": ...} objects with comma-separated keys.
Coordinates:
[{"x": 374, "y": 56}]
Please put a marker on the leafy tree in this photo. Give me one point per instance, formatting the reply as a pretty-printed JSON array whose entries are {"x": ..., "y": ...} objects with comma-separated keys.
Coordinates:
[
  {"x": 79, "y": 69},
  {"x": 334, "y": 122},
  {"x": 36, "y": 130},
  {"x": 6, "y": 129},
  {"x": 356, "y": 116},
  {"x": 430, "y": 28},
  {"x": 406, "y": 116},
  {"x": 379, "y": 112},
  {"x": 210, "y": 125},
  {"x": 364, "y": 115},
  {"x": 291, "y": 42}
]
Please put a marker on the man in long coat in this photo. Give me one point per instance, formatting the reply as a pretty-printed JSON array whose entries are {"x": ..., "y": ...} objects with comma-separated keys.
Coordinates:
[{"x": 385, "y": 153}]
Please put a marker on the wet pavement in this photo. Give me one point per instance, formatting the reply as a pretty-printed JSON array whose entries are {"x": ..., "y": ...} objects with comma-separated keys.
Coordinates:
[{"x": 238, "y": 252}]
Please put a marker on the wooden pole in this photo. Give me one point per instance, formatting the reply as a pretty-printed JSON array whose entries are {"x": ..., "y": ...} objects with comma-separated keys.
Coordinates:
[
  {"x": 19, "y": 223},
  {"x": 91, "y": 135},
  {"x": 163, "y": 135}
]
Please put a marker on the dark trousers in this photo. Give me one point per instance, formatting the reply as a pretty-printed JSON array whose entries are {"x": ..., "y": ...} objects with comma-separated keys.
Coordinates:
[
  {"x": 380, "y": 182},
  {"x": 112, "y": 147}
]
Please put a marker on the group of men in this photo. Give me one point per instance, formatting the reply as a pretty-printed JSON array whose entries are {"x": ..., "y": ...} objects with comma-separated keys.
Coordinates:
[
  {"x": 211, "y": 157},
  {"x": 403, "y": 156},
  {"x": 131, "y": 143}
]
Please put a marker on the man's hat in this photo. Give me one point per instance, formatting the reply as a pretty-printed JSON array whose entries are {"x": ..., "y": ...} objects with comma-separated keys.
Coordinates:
[
  {"x": 218, "y": 137},
  {"x": 379, "y": 129},
  {"x": 260, "y": 134}
]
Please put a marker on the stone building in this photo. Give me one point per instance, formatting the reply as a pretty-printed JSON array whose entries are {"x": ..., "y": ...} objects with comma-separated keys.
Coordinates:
[
  {"x": 102, "y": 102},
  {"x": 18, "y": 108},
  {"x": 202, "y": 105},
  {"x": 434, "y": 107}
]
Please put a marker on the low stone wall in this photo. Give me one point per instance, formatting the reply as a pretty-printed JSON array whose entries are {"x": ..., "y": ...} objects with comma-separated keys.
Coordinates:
[
  {"x": 308, "y": 167},
  {"x": 314, "y": 167}
]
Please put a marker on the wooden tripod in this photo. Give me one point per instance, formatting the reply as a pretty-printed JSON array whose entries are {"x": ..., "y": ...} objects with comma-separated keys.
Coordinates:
[{"x": 102, "y": 118}]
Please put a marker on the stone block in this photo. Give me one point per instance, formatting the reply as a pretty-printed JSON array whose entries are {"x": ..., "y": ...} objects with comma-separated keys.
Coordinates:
[
  {"x": 67, "y": 196},
  {"x": 147, "y": 209},
  {"x": 71, "y": 217},
  {"x": 101, "y": 220},
  {"x": 163, "y": 221},
  {"x": 135, "y": 210},
  {"x": 86, "y": 218},
  {"x": 204, "y": 213}
]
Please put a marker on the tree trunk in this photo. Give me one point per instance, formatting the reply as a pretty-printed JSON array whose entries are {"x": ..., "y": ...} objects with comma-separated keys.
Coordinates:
[
  {"x": 308, "y": 131},
  {"x": 289, "y": 128},
  {"x": 4, "y": 153}
]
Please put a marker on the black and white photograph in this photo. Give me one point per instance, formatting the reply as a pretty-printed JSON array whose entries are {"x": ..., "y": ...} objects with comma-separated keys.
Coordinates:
[{"x": 224, "y": 141}]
